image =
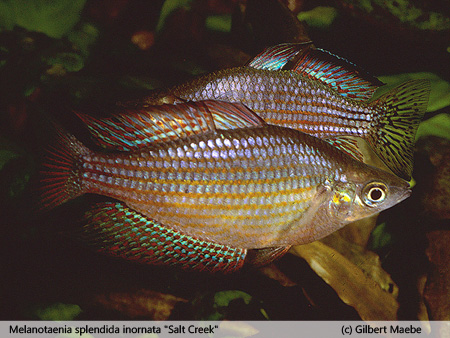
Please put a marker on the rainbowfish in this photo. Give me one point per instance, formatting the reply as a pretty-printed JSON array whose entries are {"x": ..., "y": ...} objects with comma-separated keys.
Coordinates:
[
  {"x": 206, "y": 182},
  {"x": 317, "y": 93}
]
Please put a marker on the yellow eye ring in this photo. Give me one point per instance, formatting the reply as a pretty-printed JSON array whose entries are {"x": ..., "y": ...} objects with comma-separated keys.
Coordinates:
[{"x": 374, "y": 193}]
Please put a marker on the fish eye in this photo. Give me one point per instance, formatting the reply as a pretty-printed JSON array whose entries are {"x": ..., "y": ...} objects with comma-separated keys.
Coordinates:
[{"x": 374, "y": 193}]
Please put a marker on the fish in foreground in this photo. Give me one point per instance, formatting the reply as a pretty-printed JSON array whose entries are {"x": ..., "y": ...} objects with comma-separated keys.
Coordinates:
[
  {"x": 217, "y": 178},
  {"x": 317, "y": 93}
]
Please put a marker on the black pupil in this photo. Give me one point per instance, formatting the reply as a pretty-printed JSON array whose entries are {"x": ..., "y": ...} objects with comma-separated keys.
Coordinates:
[{"x": 376, "y": 194}]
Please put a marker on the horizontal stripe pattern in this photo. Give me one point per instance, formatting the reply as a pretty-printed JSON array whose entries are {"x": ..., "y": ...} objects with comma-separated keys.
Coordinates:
[
  {"x": 287, "y": 99},
  {"x": 254, "y": 185}
]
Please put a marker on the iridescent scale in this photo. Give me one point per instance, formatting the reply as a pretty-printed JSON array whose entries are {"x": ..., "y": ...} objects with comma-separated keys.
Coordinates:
[
  {"x": 121, "y": 232},
  {"x": 235, "y": 187},
  {"x": 287, "y": 99}
]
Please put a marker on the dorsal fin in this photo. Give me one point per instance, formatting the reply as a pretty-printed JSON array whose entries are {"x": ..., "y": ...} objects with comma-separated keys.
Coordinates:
[
  {"x": 348, "y": 145},
  {"x": 140, "y": 128},
  {"x": 340, "y": 74},
  {"x": 345, "y": 77},
  {"x": 276, "y": 57}
]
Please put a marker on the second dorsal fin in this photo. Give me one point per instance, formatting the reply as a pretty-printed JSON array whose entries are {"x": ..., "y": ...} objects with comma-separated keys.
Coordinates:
[
  {"x": 340, "y": 74},
  {"x": 140, "y": 128}
]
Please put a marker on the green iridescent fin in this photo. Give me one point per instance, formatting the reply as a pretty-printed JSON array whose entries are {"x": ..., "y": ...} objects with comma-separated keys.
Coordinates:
[
  {"x": 392, "y": 138},
  {"x": 276, "y": 57},
  {"x": 340, "y": 74},
  {"x": 138, "y": 129},
  {"x": 121, "y": 232},
  {"x": 348, "y": 145},
  {"x": 260, "y": 257}
]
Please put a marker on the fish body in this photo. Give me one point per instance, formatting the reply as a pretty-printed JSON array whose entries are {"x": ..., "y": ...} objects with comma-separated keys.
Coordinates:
[
  {"x": 286, "y": 99},
  {"x": 317, "y": 98},
  {"x": 250, "y": 186}
]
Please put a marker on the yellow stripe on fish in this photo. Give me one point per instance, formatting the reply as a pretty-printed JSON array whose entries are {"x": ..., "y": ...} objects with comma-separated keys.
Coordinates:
[{"x": 250, "y": 186}]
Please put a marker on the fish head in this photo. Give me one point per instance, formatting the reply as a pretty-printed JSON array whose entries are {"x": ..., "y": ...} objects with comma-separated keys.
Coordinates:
[{"x": 365, "y": 195}]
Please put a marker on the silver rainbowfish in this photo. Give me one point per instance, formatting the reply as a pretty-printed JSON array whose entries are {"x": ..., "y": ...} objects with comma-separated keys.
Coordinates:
[
  {"x": 215, "y": 172},
  {"x": 320, "y": 94}
]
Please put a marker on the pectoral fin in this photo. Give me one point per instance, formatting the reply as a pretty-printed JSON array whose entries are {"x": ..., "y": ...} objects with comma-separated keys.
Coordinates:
[{"x": 260, "y": 257}]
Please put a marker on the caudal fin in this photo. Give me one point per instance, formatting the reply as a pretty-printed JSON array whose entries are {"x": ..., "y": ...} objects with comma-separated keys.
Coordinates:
[
  {"x": 60, "y": 174},
  {"x": 393, "y": 137}
]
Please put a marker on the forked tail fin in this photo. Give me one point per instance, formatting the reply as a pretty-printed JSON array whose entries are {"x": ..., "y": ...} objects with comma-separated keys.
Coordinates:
[
  {"x": 61, "y": 169},
  {"x": 401, "y": 110}
]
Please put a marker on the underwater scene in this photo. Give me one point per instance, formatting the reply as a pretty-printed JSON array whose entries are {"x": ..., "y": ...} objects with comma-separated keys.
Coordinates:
[{"x": 225, "y": 160}]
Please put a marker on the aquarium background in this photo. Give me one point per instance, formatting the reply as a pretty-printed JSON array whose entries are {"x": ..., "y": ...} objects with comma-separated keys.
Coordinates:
[{"x": 57, "y": 57}]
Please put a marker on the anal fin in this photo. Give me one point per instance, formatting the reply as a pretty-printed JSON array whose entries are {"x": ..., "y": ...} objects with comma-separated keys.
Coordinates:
[
  {"x": 119, "y": 231},
  {"x": 400, "y": 112}
]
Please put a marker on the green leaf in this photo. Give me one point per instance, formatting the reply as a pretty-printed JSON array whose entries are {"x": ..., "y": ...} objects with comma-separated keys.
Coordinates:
[
  {"x": 71, "y": 62},
  {"x": 168, "y": 7},
  {"x": 58, "y": 312},
  {"x": 440, "y": 89},
  {"x": 320, "y": 17},
  {"x": 220, "y": 23},
  {"x": 380, "y": 238},
  {"x": 53, "y": 18},
  {"x": 5, "y": 156},
  {"x": 438, "y": 125},
  {"x": 84, "y": 37},
  {"x": 223, "y": 298}
]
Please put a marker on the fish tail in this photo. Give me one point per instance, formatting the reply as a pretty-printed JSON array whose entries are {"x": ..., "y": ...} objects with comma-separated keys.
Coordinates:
[
  {"x": 60, "y": 175},
  {"x": 402, "y": 109}
]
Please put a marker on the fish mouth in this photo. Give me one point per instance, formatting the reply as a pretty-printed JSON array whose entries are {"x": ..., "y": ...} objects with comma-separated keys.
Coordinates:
[{"x": 405, "y": 195}]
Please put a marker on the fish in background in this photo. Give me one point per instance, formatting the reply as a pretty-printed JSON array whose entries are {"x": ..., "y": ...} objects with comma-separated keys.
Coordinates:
[
  {"x": 311, "y": 90},
  {"x": 209, "y": 184}
]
